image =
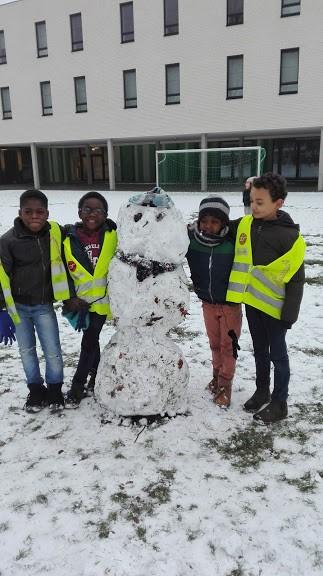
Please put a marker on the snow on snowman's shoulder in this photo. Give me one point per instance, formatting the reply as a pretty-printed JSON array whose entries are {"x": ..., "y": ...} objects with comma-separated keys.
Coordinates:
[{"x": 155, "y": 233}]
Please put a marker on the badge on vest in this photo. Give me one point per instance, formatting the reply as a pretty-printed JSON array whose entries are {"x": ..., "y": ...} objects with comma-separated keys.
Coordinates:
[
  {"x": 71, "y": 265},
  {"x": 242, "y": 238}
]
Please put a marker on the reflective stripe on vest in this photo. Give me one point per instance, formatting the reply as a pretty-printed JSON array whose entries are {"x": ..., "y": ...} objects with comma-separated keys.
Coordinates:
[
  {"x": 262, "y": 287},
  {"x": 10, "y": 304},
  {"x": 93, "y": 287},
  {"x": 58, "y": 271}
]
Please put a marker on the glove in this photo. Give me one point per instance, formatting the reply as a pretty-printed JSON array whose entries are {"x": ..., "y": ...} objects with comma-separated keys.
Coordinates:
[
  {"x": 235, "y": 343},
  {"x": 83, "y": 320},
  {"x": 7, "y": 328},
  {"x": 78, "y": 320},
  {"x": 74, "y": 304}
]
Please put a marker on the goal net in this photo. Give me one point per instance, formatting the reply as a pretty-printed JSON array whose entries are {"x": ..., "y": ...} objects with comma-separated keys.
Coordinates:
[{"x": 207, "y": 169}]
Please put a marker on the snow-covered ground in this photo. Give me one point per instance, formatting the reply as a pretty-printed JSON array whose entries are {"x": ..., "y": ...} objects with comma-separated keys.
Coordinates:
[{"x": 205, "y": 494}]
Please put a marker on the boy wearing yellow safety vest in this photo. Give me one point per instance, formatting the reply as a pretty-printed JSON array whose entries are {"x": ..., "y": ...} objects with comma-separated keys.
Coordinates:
[
  {"x": 268, "y": 277},
  {"x": 32, "y": 276},
  {"x": 89, "y": 246}
]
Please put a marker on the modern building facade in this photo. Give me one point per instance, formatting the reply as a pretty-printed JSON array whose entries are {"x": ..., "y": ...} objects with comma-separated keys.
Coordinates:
[{"x": 90, "y": 89}]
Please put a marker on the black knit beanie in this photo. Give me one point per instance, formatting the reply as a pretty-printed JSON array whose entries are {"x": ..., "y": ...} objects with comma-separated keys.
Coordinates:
[{"x": 216, "y": 206}]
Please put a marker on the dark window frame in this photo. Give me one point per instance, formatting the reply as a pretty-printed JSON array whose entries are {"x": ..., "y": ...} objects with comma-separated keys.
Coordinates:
[
  {"x": 77, "y": 45},
  {"x": 284, "y": 6},
  {"x": 235, "y": 18},
  {"x": 295, "y": 82},
  {"x": 3, "y": 54},
  {"x": 229, "y": 89},
  {"x": 127, "y": 100},
  {"x": 126, "y": 36},
  {"x": 79, "y": 105},
  {"x": 46, "y": 110},
  {"x": 42, "y": 51},
  {"x": 173, "y": 94},
  {"x": 6, "y": 114},
  {"x": 171, "y": 28}
]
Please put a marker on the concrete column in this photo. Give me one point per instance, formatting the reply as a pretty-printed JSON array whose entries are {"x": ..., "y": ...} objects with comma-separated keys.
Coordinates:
[
  {"x": 112, "y": 180},
  {"x": 203, "y": 163},
  {"x": 136, "y": 156},
  {"x": 50, "y": 165},
  {"x": 146, "y": 163},
  {"x": 34, "y": 162},
  {"x": 55, "y": 165},
  {"x": 320, "y": 182},
  {"x": 88, "y": 165},
  {"x": 65, "y": 173}
]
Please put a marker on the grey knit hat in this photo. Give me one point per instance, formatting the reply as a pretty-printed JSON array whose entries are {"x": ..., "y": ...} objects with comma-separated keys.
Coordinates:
[{"x": 216, "y": 206}]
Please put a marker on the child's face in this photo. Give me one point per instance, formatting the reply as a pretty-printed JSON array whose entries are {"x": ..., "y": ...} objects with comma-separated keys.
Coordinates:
[
  {"x": 262, "y": 204},
  {"x": 92, "y": 214},
  {"x": 33, "y": 214},
  {"x": 210, "y": 224}
]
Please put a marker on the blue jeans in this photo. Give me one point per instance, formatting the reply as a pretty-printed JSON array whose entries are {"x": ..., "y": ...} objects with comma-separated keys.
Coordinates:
[
  {"x": 42, "y": 320},
  {"x": 269, "y": 345}
]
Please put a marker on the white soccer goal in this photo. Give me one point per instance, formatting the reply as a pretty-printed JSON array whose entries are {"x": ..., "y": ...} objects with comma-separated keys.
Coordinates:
[{"x": 207, "y": 169}]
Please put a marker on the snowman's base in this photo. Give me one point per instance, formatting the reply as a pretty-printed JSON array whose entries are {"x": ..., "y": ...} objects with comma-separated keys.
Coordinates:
[
  {"x": 155, "y": 420},
  {"x": 142, "y": 373}
]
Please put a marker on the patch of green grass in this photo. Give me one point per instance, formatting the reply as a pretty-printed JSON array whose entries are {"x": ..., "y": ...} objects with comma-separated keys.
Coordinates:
[
  {"x": 23, "y": 553},
  {"x": 245, "y": 448},
  {"x": 117, "y": 444},
  {"x": 141, "y": 533},
  {"x": 304, "y": 483},
  {"x": 4, "y": 526},
  {"x": 311, "y": 413},
  {"x": 158, "y": 491},
  {"x": 119, "y": 497},
  {"x": 119, "y": 456},
  {"x": 183, "y": 334},
  {"x": 192, "y": 534},
  {"x": 41, "y": 499},
  {"x": 257, "y": 488}
]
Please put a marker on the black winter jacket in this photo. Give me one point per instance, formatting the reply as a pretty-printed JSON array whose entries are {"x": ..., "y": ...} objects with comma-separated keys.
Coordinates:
[
  {"x": 26, "y": 260},
  {"x": 270, "y": 239},
  {"x": 210, "y": 265}
]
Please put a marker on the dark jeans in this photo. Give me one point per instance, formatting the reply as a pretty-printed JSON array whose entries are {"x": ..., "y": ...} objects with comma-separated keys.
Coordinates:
[
  {"x": 90, "y": 350},
  {"x": 269, "y": 345}
]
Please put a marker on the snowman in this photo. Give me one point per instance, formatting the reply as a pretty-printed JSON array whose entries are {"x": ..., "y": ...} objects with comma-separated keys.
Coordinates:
[{"x": 142, "y": 371}]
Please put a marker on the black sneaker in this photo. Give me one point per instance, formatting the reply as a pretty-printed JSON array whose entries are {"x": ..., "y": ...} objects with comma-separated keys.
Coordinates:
[
  {"x": 274, "y": 412},
  {"x": 74, "y": 396},
  {"x": 37, "y": 398},
  {"x": 257, "y": 400},
  {"x": 55, "y": 397}
]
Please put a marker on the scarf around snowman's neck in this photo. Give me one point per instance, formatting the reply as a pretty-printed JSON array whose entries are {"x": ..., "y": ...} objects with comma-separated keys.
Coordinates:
[{"x": 145, "y": 267}]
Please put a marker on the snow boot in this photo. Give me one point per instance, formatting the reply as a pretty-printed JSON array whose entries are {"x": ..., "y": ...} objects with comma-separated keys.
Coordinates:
[
  {"x": 74, "y": 395},
  {"x": 257, "y": 400},
  {"x": 222, "y": 398},
  {"x": 213, "y": 384},
  {"x": 55, "y": 397},
  {"x": 275, "y": 411},
  {"x": 37, "y": 398}
]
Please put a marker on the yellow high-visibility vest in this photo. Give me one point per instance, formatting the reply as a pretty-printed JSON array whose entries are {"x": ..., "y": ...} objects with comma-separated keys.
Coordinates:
[
  {"x": 93, "y": 288},
  {"x": 58, "y": 274},
  {"x": 262, "y": 287}
]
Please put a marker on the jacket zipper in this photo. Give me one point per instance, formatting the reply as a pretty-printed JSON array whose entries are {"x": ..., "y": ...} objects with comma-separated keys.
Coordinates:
[
  {"x": 43, "y": 267},
  {"x": 210, "y": 275}
]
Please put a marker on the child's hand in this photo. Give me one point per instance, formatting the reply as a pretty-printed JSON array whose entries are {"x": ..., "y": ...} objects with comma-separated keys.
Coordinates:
[{"x": 7, "y": 328}]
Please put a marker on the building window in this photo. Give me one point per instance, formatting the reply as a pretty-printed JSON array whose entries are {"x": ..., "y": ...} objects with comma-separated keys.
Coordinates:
[
  {"x": 170, "y": 17},
  {"x": 290, "y": 8},
  {"x": 41, "y": 39},
  {"x": 234, "y": 12},
  {"x": 6, "y": 104},
  {"x": 126, "y": 21},
  {"x": 3, "y": 55},
  {"x": 80, "y": 94},
  {"x": 76, "y": 32},
  {"x": 172, "y": 84},
  {"x": 46, "y": 98},
  {"x": 234, "y": 77},
  {"x": 130, "y": 88},
  {"x": 289, "y": 62}
]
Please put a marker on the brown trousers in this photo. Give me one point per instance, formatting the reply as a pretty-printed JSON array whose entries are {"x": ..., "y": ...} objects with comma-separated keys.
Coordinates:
[{"x": 219, "y": 320}]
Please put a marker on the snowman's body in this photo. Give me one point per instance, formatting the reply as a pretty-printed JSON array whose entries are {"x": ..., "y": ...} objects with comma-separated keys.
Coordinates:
[{"x": 142, "y": 371}]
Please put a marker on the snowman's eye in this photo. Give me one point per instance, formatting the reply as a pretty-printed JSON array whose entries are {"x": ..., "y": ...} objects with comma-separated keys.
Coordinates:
[
  {"x": 137, "y": 216},
  {"x": 160, "y": 216}
]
